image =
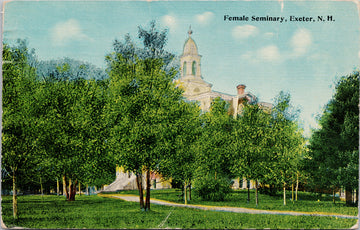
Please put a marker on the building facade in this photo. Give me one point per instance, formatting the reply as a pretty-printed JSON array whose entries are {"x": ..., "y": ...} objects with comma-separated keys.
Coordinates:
[{"x": 196, "y": 89}]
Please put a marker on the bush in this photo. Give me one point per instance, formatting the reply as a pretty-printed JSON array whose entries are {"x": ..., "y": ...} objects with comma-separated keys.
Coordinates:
[{"x": 211, "y": 189}]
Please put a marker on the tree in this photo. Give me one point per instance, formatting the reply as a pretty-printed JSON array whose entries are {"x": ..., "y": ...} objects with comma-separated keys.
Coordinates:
[
  {"x": 144, "y": 105},
  {"x": 179, "y": 167},
  {"x": 68, "y": 69},
  {"x": 144, "y": 110},
  {"x": 251, "y": 145},
  {"x": 214, "y": 152},
  {"x": 333, "y": 155},
  {"x": 73, "y": 132},
  {"x": 18, "y": 137},
  {"x": 287, "y": 143}
]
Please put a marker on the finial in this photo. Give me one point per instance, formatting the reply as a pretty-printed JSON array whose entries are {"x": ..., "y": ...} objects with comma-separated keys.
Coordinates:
[{"x": 190, "y": 31}]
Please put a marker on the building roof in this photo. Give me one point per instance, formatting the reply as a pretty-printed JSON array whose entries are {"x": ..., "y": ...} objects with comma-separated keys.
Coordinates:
[{"x": 190, "y": 47}]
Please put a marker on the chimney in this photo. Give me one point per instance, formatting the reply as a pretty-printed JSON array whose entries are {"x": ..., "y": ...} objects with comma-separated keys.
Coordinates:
[{"x": 241, "y": 89}]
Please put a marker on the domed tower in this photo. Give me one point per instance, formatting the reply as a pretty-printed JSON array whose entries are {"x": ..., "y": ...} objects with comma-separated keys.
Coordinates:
[
  {"x": 191, "y": 79},
  {"x": 190, "y": 59}
]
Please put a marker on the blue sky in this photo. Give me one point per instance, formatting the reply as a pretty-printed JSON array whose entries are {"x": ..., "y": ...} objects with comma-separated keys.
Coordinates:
[{"x": 303, "y": 58}]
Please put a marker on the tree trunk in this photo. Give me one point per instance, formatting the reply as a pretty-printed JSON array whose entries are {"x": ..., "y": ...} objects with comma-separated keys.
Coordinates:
[
  {"x": 148, "y": 185},
  {"x": 292, "y": 192},
  {"x": 65, "y": 191},
  {"x": 140, "y": 188},
  {"x": 248, "y": 187},
  {"x": 348, "y": 196},
  {"x": 185, "y": 198},
  {"x": 15, "y": 206},
  {"x": 334, "y": 195},
  {"x": 41, "y": 188},
  {"x": 87, "y": 189},
  {"x": 256, "y": 193},
  {"x": 297, "y": 186},
  {"x": 72, "y": 190},
  {"x": 190, "y": 190},
  {"x": 284, "y": 193},
  {"x": 57, "y": 187},
  {"x": 79, "y": 189}
]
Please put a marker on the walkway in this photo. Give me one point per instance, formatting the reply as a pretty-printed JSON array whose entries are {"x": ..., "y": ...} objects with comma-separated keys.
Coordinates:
[{"x": 135, "y": 198}]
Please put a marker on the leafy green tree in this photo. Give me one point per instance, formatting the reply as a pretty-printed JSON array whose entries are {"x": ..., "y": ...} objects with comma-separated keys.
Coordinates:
[
  {"x": 154, "y": 43},
  {"x": 144, "y": 105},
  {"x": 214, "y": 148},
  {"x": 287, "y": 143},
  {"x": 179, "y": 167},
  {"x": 144, "y": 109},
  {"x": 18, "y": 137},
  {"x": 69, "y": 69},
  {"x": 73, "y": 132},
  {"x": 251, "y": 145},
  {"x": 333, "y": 155}
]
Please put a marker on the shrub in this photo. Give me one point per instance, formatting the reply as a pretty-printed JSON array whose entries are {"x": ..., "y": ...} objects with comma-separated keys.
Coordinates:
[{"x": 211, "y": 189}]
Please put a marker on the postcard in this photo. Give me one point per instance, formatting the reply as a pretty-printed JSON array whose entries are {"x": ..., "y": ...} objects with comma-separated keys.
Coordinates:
[{"x": 180, "y": 114}]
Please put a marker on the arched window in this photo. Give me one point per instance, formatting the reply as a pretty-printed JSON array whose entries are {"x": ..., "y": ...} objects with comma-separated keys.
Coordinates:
[
  {"x": 184, "y": 68},
  {"x": 194, "y": 68}
]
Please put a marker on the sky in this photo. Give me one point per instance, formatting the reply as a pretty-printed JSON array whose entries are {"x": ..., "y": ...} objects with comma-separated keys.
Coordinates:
[{"x": 303, "y": 58}]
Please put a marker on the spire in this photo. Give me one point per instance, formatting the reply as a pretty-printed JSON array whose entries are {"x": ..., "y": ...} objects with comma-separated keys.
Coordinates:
[{"x": 190, "y": 31}]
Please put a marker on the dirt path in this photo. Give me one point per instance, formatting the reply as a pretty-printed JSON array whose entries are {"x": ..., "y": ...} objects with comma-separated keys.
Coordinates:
[{"x": 134, "y": 198}]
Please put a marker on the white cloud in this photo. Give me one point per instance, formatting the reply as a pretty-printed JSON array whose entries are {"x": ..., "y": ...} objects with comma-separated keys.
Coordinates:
[
  {"x": 269, "y": 53},
  {"x": 301, "y": 42},
  {"x": 169, "y": 21},
  {"x": 204, "y": 18},
  {"x": 67, "y": 31},
  {"x": 265, "y": 54},
  {"x": 268, "y": 35},
  {"x": 244, "y": 32},
  {"x": 248, "y": 55}
]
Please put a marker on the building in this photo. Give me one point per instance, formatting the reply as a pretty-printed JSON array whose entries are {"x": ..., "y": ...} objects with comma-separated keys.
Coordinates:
[{"x": 195, "y": 89}]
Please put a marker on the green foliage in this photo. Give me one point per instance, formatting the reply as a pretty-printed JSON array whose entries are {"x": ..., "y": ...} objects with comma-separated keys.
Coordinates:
[
  {"x": 18, "y": 138},
  {"x": 213, "y": 152},
  {"x": 332, "y": 161},
  {"x": 214, "y": 144},
  {"x": 69, "y": 69},
  {"x": 154, "y": 42},
  {"x": 212, "y": 189},
  {"x": 288, "y": 142},
  {"x": 72, "y": 130},
  {"x": 183, "y": 154},
  {"x": 145, "y": 110},
  {"x": 52, "y": 126},
  {"x": 252, "y": 143}
]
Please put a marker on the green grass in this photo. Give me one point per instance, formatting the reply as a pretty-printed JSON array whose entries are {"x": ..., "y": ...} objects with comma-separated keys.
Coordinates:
[
  {"x": 307, "y": 202},
  {"x": 99, "y": 212}
]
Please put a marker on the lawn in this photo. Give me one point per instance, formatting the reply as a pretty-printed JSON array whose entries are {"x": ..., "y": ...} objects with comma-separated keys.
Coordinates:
[
  {"x": 100, "y": 212},
  {"x": 307, "y": 202}
]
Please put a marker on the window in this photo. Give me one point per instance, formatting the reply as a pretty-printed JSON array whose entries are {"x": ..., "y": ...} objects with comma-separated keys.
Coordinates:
[{"x": 194, "y": 68}]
